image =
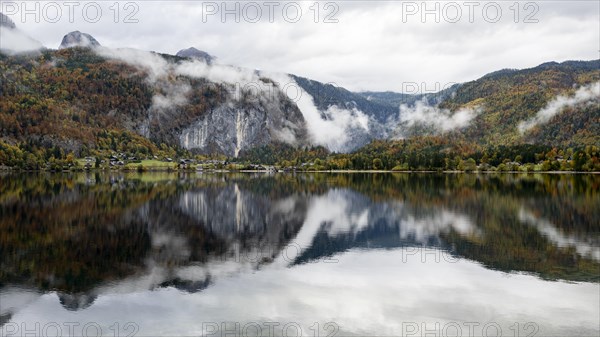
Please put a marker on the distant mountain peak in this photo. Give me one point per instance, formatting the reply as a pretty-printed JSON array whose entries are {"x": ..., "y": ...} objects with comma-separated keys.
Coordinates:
[
  {"x": 194, "y": 53},
  {"x": 5, "y": 21},
  {"x": 78, "y": 39}
]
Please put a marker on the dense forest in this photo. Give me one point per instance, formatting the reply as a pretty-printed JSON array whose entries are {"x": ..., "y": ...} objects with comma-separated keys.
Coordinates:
[
  {"x": 431, "y": 154},
  {"x": 511, "y": 96}
]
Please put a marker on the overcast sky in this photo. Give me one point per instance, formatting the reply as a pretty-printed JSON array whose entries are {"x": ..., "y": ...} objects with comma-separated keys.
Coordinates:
[{"x": 360, "y": 45}]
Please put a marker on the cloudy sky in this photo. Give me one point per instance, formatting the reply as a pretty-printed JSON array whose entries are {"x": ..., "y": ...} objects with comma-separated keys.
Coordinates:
[{"x": 360, "y": 45}]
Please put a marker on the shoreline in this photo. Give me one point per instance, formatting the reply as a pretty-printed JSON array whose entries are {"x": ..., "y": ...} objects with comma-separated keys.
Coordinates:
[{"x": 150, "y": 170}]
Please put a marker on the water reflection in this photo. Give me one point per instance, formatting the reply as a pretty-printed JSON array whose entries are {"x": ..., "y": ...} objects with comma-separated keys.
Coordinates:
[{"x": 108, "y": 246}]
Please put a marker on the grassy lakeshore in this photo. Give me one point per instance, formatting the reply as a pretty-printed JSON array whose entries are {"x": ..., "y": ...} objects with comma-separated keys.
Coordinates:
[
  {"x": 151, "y": 165},
  {"x": 159, "y": 166}
]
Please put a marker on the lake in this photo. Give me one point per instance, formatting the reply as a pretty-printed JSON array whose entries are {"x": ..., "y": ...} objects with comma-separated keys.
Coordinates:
[{"x": 246, "y": 254}]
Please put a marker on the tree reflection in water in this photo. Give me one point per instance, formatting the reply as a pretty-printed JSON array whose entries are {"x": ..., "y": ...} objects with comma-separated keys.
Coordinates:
[{"x": 83, "y": 235}]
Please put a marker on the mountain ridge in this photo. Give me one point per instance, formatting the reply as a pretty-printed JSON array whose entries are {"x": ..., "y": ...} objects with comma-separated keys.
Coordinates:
[{"x": 82, "y": 100}]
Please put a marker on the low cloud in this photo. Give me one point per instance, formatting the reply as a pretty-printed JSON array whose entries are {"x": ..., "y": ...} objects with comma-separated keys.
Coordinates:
[
  {"x": 153, "y": 63},
  {"x": 443, "y": 120},
  {"x": 169, "y": 93},
  {"x": 174, "y": 95},
  {"x": 162, "y": 75},
  {"x": 157, "y": 67},
  {"x": 333, "y": 128},
  {"x": 586, "y": 94},
  {"x": 216, "y": 72},
  {"x": 14, "y": 41}
]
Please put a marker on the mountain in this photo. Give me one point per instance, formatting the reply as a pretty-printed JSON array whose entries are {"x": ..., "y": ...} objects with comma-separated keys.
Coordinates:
[
  {"x": 389, "y": 98},
  {"x": 558, "y": 102},
  {"x": 395, "y": 99},
  {"x": 78, "y": 39},
  {"x": 82, "y": 100},
  {"x": 380, "y": 109},
  {"x": 361, "y": 119},
  {"x": 326, "y": 95},
  {"x": 194, "y": 53},
  {"x": 15, "y": 41},
  {"x": 95, "y": 101}
]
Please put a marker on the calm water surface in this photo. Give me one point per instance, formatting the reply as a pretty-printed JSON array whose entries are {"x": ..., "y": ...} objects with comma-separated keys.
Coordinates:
[{"x": 316, "y": 254}]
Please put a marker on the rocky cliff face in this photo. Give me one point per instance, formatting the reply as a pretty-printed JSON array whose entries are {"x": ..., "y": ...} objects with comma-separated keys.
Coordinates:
[
  {"x": 236, "y": 126},
  {"x": 207, "y": 108},
  {"x": 78, "y": 39},
  {"x": 228, "y": 129}
]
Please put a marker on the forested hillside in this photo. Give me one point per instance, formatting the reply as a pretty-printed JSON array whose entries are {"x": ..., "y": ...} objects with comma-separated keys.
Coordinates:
[
  {"x": 509, "y": 97},
  {"x": 73, "y": 101},
  {"x": 61, "y": 105}
]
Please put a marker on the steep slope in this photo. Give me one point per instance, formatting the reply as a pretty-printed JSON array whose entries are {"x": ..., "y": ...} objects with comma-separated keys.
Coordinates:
[
  {"x": 78, "y": 100},
  {"x": 395, "y": 99},
  {"x": 359, "y": 119},
  {"x": 327, "y": 94},
  {"x": 511, "y": 98},
  {"x": 383, "y": 111},
  {"x": 389, "y": 98}
]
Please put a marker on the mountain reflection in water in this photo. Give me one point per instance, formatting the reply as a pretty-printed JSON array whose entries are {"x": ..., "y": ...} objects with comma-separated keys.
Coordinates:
[{"x": 390, "y": 247}]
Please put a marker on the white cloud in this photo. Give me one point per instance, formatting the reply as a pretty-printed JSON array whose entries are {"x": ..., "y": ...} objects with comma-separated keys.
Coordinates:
[
  {"x": 589, "y": 93},
  {"x": 217, "y": 73},
  {"x": 330, "y": 128},
  {"x": 175, "y": 95},
  {"x": 14, "y": 41},
  {"x": 441, "y": 119},
  {"x": 154, "y": 64},
  {"x": 160, "y": 73}
]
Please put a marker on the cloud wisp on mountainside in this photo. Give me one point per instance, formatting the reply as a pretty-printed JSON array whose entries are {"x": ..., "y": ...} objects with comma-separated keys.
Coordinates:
[
  {"x": 330, "y": 128},
  {"x": 159, "y": 67},
  {"x": 588, "y": 94},
  {"x": 13, "y": 40},
  {"x": 442, "y": 120}
]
